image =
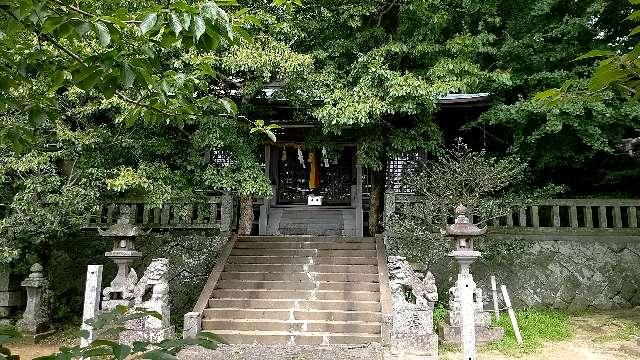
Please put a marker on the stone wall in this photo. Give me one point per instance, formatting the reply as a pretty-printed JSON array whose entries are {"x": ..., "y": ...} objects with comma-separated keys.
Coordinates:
[
  {"x": 588, "y": 273},
  {"x": 573, "y": 275}
]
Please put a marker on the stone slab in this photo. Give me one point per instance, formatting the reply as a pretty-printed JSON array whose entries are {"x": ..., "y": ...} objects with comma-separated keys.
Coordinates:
[
  {"x": 11, "y": 298},
  {"x": 9, "y": 282},
  {"x": 451, "y": 334}
]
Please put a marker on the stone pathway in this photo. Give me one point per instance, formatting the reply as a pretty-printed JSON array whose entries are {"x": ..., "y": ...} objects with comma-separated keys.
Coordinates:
[{"x": 284, "y": 352}]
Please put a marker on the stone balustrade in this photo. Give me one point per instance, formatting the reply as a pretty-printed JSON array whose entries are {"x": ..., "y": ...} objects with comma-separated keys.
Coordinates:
[
  {"x": 217, "y": 212},
  {"x": 619, "y": 216}
]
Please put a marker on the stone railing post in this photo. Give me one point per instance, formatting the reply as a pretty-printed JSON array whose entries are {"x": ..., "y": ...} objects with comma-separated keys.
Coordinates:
[
  {"x": 35, "y": 319},
  {"x": 192, "y": 325}
]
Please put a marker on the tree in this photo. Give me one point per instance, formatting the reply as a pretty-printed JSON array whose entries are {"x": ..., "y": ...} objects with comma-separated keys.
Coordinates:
[
  {"x": 489, "y": 187},
  {"x": 618, "y": 71},
  {"x": 577, "y": 140},
  {"x": 112, "y": 99},
  {"x": 379, "y": 67}
]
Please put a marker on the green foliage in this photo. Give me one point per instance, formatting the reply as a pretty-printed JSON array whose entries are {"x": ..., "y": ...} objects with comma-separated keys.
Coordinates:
[
  {"x": 536, "y": 327},
  {"x": 489, "y": 186},
  {"x": 105, "y": 100},
  {"x": 548, "y": 48},
  {"x": 109, "y": 325}
]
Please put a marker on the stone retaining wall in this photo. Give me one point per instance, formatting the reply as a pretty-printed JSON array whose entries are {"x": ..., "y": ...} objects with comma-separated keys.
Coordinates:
[{"x": 574, "y": 275}]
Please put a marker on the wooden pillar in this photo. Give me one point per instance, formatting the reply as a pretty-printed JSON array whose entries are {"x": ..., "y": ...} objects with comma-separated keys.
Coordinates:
[
  {"x": 359, "y": 211},
  {"x": 263, "y": 220}
]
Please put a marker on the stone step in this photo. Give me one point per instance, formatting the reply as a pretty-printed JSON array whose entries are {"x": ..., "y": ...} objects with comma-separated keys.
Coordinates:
[
  {"x": 279, "y": 268},
  {"x": 298, "y": 276},
  {"x": 283, "y": 337},
  {"x": 268, "y": 259},
  {"x": 291, "y": 326},
  {"x": 303, "y": 252},
  {"x": 299, "y": 285},
  {"x": 334, "y": 305},
  {"x": 320, "y": 231},
  {"x": 306, "y": 245},
  {"x": 296, "y": 295},
  {"x": 276, "y": 314},
  {"x": 341, "y": 239}
]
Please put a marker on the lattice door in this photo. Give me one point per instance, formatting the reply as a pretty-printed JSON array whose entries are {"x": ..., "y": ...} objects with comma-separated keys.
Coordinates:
[{"x": 335, "y": 180}]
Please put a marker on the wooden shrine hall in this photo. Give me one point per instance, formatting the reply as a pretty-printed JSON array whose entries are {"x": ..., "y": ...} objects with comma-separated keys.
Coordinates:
[{"x": 321, "y": 189}]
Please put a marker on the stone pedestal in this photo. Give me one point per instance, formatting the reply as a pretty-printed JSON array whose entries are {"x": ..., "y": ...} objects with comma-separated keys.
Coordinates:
[
  {"x": 192, "y": 325},
  {"x": 149, "y": 328},
  {"x": 34, "y": 323},
  {"x": 410, "y": 329},
  {"x": 451, "y": 331}
]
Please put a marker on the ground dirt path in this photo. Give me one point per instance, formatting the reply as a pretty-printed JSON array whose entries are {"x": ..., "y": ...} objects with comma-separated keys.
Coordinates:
[{"x": 606, "y": 336}]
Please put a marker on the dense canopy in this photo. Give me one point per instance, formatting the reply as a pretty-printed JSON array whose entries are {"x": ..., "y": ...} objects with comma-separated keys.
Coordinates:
[{"x": 109, "y": 99}]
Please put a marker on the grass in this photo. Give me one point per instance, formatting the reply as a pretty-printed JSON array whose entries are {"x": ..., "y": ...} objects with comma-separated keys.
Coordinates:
[
  {"x": 536, "y": 328},
  {"x": 439, "y": 313}
]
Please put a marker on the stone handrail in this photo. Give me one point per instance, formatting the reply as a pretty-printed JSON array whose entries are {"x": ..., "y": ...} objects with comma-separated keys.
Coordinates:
[
  {"x": 589, "y": 215},
  {"x": 217, "y": 212}
]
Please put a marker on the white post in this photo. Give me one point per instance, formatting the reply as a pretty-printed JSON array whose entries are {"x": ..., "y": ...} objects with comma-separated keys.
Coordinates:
[
  {"x": 467, "y": 312},
  {"x": 92, "y": 291},
  {"x": 494, "y": 292},
  {"x": 512, "y": 315}
]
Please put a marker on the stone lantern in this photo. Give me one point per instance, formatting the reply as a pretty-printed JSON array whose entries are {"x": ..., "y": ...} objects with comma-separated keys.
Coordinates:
[
  {"x": 123, "y": 253},
  {"x": 35, "y": 319},
  {"x": 464, "y": 232}
]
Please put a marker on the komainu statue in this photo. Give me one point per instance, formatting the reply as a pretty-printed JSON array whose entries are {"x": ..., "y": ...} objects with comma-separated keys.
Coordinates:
[
  {"x": 150, "y": 293},
  {"x": 414, "y": 295}
]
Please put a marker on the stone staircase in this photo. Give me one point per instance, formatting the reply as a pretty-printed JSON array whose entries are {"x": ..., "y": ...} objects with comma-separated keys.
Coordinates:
[{"x": 297, "y": 290}]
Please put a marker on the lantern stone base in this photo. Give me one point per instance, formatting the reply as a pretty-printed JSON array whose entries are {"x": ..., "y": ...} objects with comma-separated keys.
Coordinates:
[
  {"x": 413, "y": 346},
  {"x": 451, "y": 334}
]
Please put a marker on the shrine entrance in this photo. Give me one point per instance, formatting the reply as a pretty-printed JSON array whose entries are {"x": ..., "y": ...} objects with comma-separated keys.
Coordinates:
[
  {"x": 302, "y": 172},
  {"x": 297, "y": 172}
]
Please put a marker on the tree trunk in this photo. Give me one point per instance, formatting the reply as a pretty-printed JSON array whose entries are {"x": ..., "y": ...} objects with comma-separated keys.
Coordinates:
[
  {"x": 245, "y": 223},
  {"x": 376, "y": 202}
]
